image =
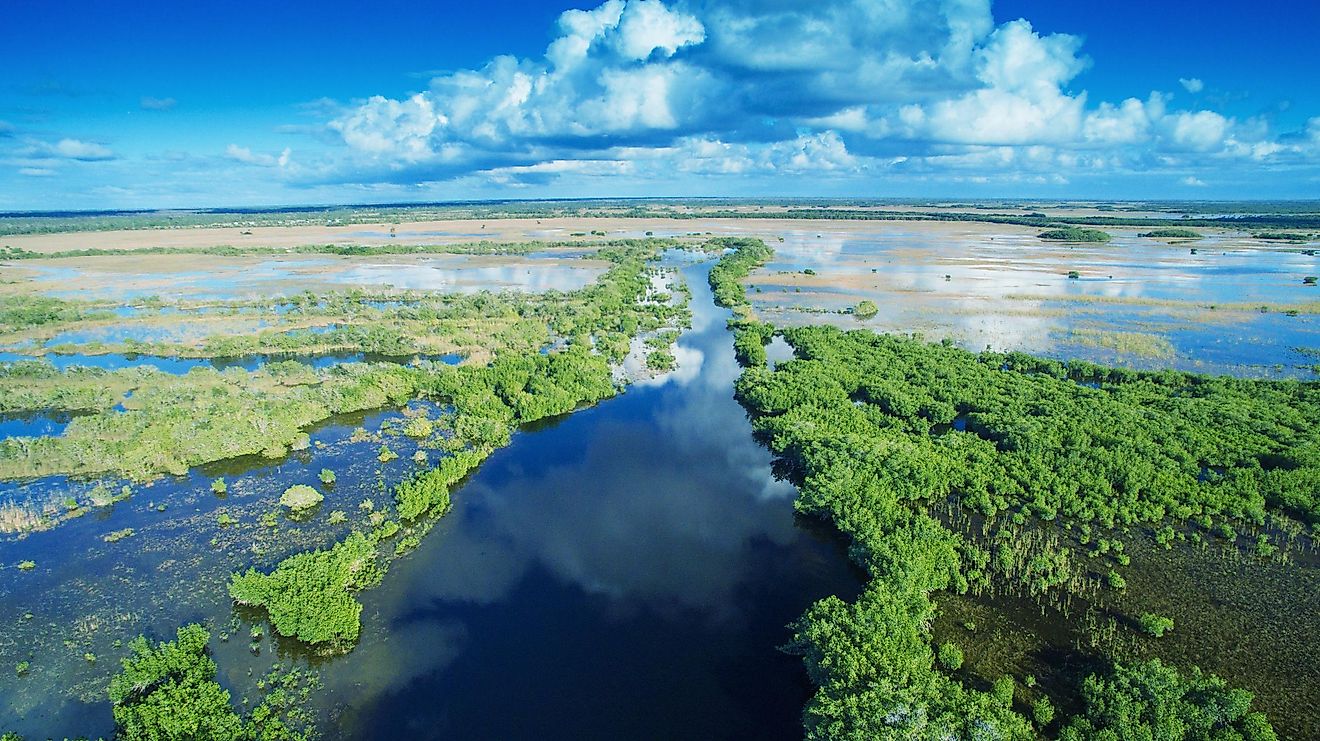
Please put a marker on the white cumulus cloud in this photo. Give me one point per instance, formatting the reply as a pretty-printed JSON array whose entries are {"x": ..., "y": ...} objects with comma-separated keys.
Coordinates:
[{"x": 835, "y": 87}]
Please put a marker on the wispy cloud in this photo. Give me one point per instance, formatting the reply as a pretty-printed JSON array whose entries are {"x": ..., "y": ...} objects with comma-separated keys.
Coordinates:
[
  {"x": 66, "y": 149},
  {"x": 248, "y": 157},
  {"x": 1192, "y": 84},
  {"x": 148, "y": 103}
]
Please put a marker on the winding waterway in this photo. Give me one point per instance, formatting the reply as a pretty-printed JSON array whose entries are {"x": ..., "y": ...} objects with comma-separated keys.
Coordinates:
[{"x": 626, "y": 571}]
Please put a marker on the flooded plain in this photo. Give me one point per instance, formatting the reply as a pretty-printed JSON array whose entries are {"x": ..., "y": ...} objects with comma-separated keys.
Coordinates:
[
  {"x": 176, "y": 277},
  {"x": 1222, "y": 304},
  {"x": 626, "y": 571},
  {"x": 637, "y": 560}
]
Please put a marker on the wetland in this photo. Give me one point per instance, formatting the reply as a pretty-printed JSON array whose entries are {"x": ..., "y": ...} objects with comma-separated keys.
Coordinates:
[{"x": 752, "y": 477}]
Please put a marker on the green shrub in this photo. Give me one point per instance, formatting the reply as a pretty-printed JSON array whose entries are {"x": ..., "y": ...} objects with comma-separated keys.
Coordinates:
[
  {"x": 1152, "y": 701},
  {"x": 950, "y": 656},
  {"x": 300, "y": 497},
  {"x": 1155, "y": 625},
  {"x": 1042, "y": 711},
  {"x": 169, "y": 692},
  {"x": 309, "y": 595},
  {"x": 1075, "y": 234}
]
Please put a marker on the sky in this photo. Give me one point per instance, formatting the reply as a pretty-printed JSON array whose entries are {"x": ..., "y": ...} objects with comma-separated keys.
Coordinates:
[{"x": 153, "y": 104}]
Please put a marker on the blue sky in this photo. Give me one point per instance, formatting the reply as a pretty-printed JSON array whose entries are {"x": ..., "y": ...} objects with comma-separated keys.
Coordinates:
[{"x": 186, "y": 104}]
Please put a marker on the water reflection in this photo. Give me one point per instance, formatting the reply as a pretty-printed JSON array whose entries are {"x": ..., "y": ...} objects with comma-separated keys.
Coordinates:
[
  {"x": 33, "y": 424},
  {"x": 227, "y": 279},
  {"x": 1150, "y": 303},
  {"x": 624, "y": 572},
  {"x": 452, "y": 275},
  {"x": 638, "y": 559}
]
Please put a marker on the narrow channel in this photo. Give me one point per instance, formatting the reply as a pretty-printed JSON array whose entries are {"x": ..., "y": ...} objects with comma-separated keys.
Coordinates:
[{"x": 628, "y": 572}]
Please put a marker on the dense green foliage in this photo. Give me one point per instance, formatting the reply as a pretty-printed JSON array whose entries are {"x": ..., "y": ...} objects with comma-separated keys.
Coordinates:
[
  {"x": 428, "y": 492},
  {"x": 35, "y": 385},
  {"x": 309, "y": 595},
  {"x": 19, "y": 312},
  {"x": 1155, "y": 625},
  {"x": 1172, "y": 233},
  {"x": 749, "y": 340},
  {"x": 169, "y": 692},
  {"x": 1153, "y": 701},
  {"x": 1075, "y": 234},
  {"x": 876, "y": 428},
  {"x": 1141, "y": 447},
  {"x": 727, "y": 274},
  {"x": 865, "y": 309}
]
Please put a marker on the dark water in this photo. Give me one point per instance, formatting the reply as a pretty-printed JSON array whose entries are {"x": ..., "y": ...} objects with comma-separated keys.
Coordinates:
[{"x": 624, "y": 572}]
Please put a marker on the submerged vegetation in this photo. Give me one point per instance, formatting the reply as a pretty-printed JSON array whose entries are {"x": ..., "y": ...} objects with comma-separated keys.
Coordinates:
[
  {"x": 952, "y": 473},
  {"x": 533, "y": 357}
]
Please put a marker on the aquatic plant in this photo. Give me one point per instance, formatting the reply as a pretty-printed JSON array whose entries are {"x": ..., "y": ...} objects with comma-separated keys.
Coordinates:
[
  {"x": 1171, "y": 233},
  {"x": 309, "y": 595},
  {"x": 661, "y": 360},
  {"x": 865, "y": 309},
  {"x": 428, "y": 492},
  {"x": 1151, "y": 700},
  {"x": 950, "y": 656},
  {"x": 168, "y": 691},
  {"x": 1075, "y": 234},
  {"x": 1155, "y": 625},
  {"x": 117, "y": 535},
  {"x": 300, "y": 497}
]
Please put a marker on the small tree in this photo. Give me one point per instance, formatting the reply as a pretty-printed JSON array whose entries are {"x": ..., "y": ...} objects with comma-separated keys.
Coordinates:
[
  {"x": 950, "y": 656},
  {"x": 300, "y": 497},
  {"x": 1155, "y": 625},
  {"x": 1042, "y": 711}
]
